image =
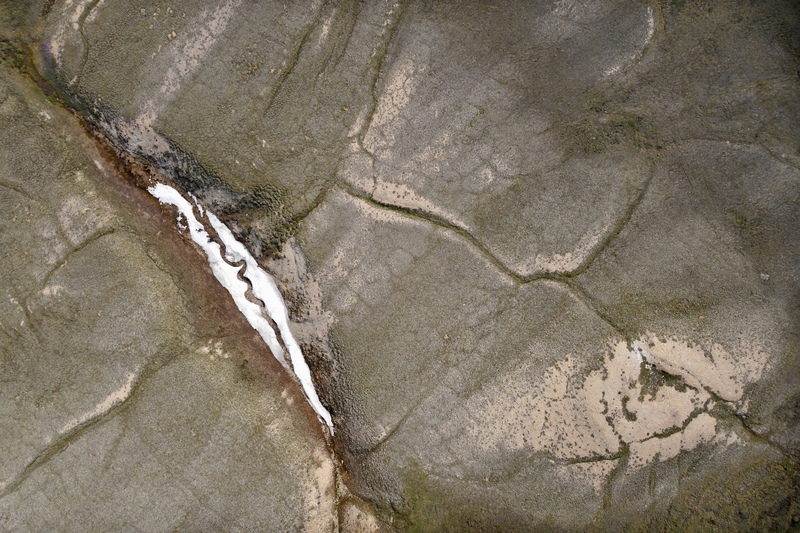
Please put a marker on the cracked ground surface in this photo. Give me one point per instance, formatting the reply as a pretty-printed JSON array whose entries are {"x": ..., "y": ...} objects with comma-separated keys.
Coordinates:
[
  {"x": 132, "y": 397},
  {"x": 542, "y": 258}
]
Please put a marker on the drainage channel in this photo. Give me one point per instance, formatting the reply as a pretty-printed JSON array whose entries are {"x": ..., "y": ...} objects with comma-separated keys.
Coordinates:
[{"x": 232, "y": 264}]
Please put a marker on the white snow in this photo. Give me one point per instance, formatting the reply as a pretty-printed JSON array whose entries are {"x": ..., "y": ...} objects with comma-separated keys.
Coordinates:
[
  {"x": 226, "y": 274},
  {"x": 263, "y": 288}
]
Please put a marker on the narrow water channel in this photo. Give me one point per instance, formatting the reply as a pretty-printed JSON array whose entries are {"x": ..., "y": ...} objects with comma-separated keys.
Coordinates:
[{"x": 232, "y": 264}]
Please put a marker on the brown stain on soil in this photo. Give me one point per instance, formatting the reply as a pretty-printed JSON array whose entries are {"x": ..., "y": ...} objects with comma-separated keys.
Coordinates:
[{"x": 127, "y": 178}]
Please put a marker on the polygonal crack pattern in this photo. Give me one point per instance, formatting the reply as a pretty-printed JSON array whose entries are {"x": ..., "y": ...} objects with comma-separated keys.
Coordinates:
[{"x": 552, "y": 246}]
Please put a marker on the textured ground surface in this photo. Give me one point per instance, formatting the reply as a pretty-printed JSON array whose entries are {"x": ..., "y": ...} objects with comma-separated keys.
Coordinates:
[
  {"x": 543, "y": 259},
  {"x": 133, "y": 397}
]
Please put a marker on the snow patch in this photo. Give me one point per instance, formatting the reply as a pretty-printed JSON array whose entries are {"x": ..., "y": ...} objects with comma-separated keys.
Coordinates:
[
  {"x": 226, "y": 274},
  {"x": 262, "y": 284},
  {"x": 265, "y": 289}
]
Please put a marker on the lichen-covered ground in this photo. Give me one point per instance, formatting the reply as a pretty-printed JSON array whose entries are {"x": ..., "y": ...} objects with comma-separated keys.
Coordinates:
[{"x": 543, "y": 259}]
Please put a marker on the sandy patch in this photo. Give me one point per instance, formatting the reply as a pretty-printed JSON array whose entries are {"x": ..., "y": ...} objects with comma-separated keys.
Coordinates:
[
  {"x": 724, "y": 372},
  {"x": 655, "y": 401},
  {"x": 320, "y": 495}
]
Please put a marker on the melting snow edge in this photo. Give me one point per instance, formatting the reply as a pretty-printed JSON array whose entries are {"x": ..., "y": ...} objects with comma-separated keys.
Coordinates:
[{"x": 263, "y": 287}]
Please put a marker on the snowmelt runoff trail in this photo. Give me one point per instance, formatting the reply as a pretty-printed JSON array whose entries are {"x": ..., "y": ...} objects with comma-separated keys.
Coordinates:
[{"x": 262, "y": 284}]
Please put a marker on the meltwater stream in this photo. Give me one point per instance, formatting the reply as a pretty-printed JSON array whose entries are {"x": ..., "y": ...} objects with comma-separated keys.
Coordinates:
[{"x": 263, "y": 287}]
